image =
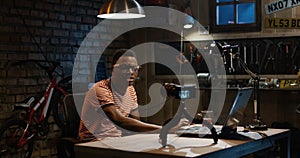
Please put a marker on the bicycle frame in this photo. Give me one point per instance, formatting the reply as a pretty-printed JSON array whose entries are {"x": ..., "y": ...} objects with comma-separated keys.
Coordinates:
[{"x": 45, "y": 103}]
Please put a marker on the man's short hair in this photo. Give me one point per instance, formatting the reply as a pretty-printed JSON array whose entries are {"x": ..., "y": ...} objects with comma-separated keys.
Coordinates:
[{"x": 122, "y": 52}]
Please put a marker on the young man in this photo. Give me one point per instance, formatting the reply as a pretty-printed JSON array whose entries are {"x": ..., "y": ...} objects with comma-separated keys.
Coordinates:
[{"x": 110, "y": 106}]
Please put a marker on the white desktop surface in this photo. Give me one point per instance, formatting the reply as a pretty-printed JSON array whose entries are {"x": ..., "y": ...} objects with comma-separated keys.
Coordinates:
[{"x": 177, "y": 146}]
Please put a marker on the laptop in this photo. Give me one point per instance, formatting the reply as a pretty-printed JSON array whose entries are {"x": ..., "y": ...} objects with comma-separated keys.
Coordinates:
[{"x": 229, "y": 128}]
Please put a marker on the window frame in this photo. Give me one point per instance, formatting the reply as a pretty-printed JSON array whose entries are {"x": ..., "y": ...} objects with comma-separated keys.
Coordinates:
[{"x": 214, "y": 28}]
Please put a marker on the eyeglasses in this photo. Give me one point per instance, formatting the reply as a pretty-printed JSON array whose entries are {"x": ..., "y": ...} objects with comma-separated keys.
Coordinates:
[{"x": 126, "y": 67}]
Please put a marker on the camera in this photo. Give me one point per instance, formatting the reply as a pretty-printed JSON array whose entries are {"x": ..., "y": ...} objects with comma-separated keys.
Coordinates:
[{"x": 179, "y": 91}]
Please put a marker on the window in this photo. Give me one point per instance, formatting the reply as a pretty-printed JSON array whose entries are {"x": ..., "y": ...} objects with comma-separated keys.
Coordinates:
[{"x": 235, "y": 15}]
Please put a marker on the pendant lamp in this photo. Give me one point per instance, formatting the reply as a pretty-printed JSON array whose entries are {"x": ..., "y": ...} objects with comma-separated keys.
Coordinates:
[{"x": 121, "y": 9}]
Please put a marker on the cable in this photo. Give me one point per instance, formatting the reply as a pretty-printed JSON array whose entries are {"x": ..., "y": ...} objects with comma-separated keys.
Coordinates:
[{"x": 298, "y": 109}]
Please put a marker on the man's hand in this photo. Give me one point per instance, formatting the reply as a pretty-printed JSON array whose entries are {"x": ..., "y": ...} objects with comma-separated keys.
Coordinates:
[{"x": 182, "y": 122}]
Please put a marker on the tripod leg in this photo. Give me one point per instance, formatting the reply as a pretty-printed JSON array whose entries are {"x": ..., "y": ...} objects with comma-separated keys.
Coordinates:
[{"x": 166, "y": 128}]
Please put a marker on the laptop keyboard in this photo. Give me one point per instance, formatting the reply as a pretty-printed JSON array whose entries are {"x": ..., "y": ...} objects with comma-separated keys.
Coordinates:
[{"x": 204, "y": 132}]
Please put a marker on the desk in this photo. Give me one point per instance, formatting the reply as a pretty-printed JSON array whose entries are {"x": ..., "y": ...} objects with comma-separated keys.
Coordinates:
[{"x": 147, "y": 146}]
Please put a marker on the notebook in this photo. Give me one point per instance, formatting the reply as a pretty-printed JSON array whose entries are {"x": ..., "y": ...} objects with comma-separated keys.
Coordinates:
[{"x": 232, "y": 120}]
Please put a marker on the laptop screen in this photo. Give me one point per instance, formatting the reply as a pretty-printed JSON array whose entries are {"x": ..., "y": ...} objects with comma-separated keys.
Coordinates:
[{"x": 239, "y": 105}]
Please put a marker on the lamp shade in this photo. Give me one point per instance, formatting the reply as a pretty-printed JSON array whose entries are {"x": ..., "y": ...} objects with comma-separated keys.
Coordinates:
[
  {"x": 121, "y": 9},
  {"x": 188, "y": 22}
]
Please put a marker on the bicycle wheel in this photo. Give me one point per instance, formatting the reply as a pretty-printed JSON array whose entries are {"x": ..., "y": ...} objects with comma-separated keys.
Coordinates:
[
  {"x": 64, "y": 111},
  {"x": 10, "y": 133}
]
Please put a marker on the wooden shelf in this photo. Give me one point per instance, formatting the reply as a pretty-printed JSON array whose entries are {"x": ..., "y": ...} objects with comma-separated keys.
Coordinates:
[{"x": 278, "y": 76}]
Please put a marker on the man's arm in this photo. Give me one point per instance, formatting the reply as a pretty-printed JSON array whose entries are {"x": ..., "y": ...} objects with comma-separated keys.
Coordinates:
[
  {"x": 126, "y": 122},
  {"x": 134, "y": 113}
]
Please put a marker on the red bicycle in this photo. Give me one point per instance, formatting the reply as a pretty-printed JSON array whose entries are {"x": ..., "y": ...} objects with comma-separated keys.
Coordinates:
[{"x": 18, "y": 133}]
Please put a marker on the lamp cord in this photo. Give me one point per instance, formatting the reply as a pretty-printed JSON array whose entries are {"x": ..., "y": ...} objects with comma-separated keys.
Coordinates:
[{"x": 298, "y": 109}]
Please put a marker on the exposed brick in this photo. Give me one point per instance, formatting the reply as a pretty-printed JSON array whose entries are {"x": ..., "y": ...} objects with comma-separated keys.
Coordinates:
[
  {"x": 63, "y": 40},
  {"x": 27, "y": 81},
  {"x": 61, "y": 33},
  {"x": 97, "y": 4},
  {"x": 62, "y": 8},
  {"x": 89, "y": 20},
  {"x": 70, "y": 18},
  {"x": 36, "y": 56},
  {"x": 93, "y": 13},
  {"x": 58, "y": 27},
  {"x": 34, "y": 89},
  {"x": 2, "y": 90},
  {"x": 73, "y": 42},
  {"x": 77, "y": 34},
  {"x": 8, "y": 48},
  {"x": 3, "y": 74},
  {"x": 56, "y": 16},
  {"x": 27, "y": 48},
  {"x": 27, "y": 39},
  {"x": 20, "y": 98},
  {"x": 78, "y": 42},
  {"x": 79, "y": 11},
  {"x": 6, "y": 29},
  {"x": 34, "y": 22},
  {"x": 24, "y": 3},
  {"x": 53, "y": 1},
  {"x": 7, "y": 3},
  {"x": 11, "y": 82},
  {"x": 3, "y": 65},
  {"x": 39, "y": 14},
  {"x": 66, "y": 25},
  {"x": 6, "y": 111},
  {"x": 79, "y": 19},
  {"x": 16, "y": 90},
  {"x": 34, "y": 73},
  {"x": 16, "y": 73},
  {"x": 43, "y": 81},
  {"x": 85, "y": 3},
  {"x": 43, "y": 6},
  {"x": 54, "y": 41},
  {"x": 53, "y": 24},
  {"x": 20, "y": 29},
  {"x": 12, "y": 20},
  {"x": 8, "y": 99},
  {"x": 20, "y": 11},
  {"x": 3, "y": 56},
  {"x": 14, "y": 39},
  {"x": 85, "y": 27}
]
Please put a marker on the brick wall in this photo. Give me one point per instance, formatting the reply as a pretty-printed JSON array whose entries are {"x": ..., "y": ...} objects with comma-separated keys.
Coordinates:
[{"x": 31, "y": 29}]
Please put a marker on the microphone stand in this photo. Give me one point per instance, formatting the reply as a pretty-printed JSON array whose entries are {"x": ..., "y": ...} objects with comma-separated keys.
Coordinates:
[{"x": 258, "y": 125}]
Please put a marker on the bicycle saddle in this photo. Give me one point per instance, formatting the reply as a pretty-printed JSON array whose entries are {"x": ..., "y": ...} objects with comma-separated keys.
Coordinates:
[{"x": 26, "y": 103}]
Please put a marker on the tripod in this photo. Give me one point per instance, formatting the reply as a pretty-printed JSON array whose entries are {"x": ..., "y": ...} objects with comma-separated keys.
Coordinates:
[{"x": 182, "y": 111}]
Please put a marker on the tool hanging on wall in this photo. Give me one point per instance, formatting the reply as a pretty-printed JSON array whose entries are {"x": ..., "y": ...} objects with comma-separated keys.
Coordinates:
[
  {"x": 264, "y": 59},
  {"x": 279, "y": 53},
  {"x": 251, "y": 54},
  {"x": 237, "y": 63},
  {"x": 245, "y": 53},
  {"x": 270, "y": 66},
  {"x": 295, "y": 58},
  {"x": 287, "y": 58},
  {"x": 283, "y": 59},
  {"x": 228, "y": 52},
  {"x": 224, "y": 49},
  {"x": 257, "y": 52}
]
